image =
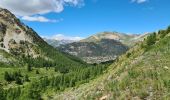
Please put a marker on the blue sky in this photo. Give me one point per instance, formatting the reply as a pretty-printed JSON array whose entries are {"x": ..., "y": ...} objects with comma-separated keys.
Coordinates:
[{"x": 84, "y": 18}]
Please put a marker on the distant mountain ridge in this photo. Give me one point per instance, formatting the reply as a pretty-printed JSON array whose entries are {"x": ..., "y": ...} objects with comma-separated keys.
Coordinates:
[
  {"x": 101, "y": 47},
  {"x": 126, "y": 39},
  {"x": 57, "y": 43}
]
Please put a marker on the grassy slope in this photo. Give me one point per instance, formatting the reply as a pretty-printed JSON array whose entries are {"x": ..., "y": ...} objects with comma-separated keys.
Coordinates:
[{"x": 143, "y": 75}]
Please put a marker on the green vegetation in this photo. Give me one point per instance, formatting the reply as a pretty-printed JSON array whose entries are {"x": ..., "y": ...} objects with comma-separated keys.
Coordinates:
[
  {"x": 33, "y": 88},
  {"x": 44, "y": 72},
  {"x": 31, "y": 67},
  {"x": 13, "y": 77},
  {"x": 151, "y": 39},
  {"x": 142, "y": 73}
]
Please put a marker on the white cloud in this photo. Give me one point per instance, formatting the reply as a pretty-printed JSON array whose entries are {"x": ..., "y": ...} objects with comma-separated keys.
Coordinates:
[
  {"x": 63, "y": 37},
  {"x": 39, "y": 19},
  {"x": 32, "y": 10},
  {"x": 139, "y": 1},
  {"x": 32, "y": 7}
]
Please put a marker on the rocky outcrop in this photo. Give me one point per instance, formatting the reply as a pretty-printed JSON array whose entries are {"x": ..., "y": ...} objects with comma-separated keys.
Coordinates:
[{"x": 15, "y": 37}]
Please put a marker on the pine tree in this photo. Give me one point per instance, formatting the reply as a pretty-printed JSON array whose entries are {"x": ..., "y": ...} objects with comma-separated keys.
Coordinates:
[
  {"x": 26, "y": 78},
  {"x": 7, "y": 77},
  {"x": 18, "y": 81},
  {"x": 168, "y": 30},
  {"x": 55, "y": 69},
  {"x": 162, "y": 33},
  {"x": 37, "y": 72},
  {"x": 29, "y": 68},
  {"x": 34, "y": 94},
  {"x": 2, "y": 93}
]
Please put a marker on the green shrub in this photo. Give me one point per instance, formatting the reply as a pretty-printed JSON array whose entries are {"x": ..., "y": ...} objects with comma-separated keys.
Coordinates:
[{"x": 151, "y": 39}]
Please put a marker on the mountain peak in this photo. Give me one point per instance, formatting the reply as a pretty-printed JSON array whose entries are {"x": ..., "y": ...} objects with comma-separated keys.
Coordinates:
[{"x": 122, "y": 37}]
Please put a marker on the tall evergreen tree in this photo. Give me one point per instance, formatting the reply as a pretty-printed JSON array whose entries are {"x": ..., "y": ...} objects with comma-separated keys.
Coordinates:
[
  {"x": 7, "y": 77},
  {"x": 26, "y": 78},
  {"x": 29, "y": 67},
  {"x": 18, "y": 81},
  {"x": 2, "y": 93}
]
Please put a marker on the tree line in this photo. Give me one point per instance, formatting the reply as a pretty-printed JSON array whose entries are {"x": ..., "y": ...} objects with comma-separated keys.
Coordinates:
[{"x": 58, "y": 83}]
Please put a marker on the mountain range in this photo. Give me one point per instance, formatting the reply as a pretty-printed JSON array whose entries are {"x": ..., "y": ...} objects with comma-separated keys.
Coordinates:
[
  {"x": 99, "y": 48},
  {"x": 56, "y": 43}
]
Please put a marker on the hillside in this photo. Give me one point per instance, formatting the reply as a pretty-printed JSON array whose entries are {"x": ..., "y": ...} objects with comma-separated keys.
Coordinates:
[
  {"x": 140, "y": 74},
  {"x": 20, "y": 45},
  {"x": 29, "y": 67},
  {"x": 101, "y": 47},
  {"x": 90, "y": 52}
]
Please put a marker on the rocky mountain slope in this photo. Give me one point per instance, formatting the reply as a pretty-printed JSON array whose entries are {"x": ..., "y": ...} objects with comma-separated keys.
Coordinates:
[
  {"x": 90, "y": 52},
  {"x": 20, "y": 44},
  {"x": 101, "y": 47},
  {"x": 14, "y": 35},
  {"x": 140, "y": 74}
]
